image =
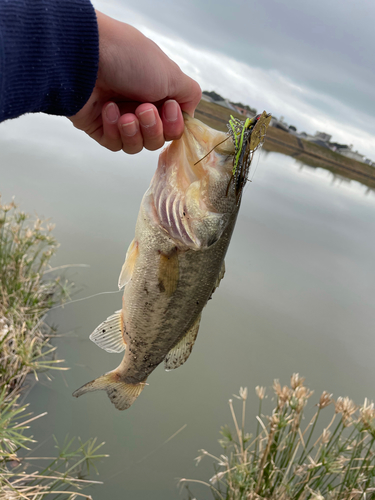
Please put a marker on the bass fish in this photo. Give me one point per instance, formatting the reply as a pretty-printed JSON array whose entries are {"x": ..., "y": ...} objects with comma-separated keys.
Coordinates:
[{"x": 176, "y": 260}]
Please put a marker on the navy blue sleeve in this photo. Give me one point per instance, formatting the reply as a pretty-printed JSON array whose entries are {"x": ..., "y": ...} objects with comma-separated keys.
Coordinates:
[{"x": 49, "y": 55}]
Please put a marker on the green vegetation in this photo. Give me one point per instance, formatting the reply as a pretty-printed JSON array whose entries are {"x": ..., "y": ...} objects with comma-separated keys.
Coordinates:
[
  {"x": 27, "y": 291},
  {"x": 329, "y": 457},
  {"x": 26, "y": 295}
]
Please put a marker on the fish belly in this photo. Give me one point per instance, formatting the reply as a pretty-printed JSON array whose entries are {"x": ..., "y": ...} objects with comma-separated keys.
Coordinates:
[{"x": 165, "y": 296}]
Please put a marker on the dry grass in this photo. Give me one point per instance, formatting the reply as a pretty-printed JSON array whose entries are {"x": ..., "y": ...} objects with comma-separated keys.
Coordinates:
[
  {"x": 28, "y": 289},
  {"x": 27, "y": 292},
  {"x": 287, "y": 459}
]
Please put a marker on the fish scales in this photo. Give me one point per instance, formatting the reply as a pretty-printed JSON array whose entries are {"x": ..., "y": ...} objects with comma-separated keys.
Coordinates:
[
  {"x": 176, "y": 259},
  {"x": 168, "y": 315}
]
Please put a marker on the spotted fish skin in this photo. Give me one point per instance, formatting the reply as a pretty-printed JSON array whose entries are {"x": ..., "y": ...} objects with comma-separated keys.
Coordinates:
[
  {"x": 175, "y": 261},
  {"x": 184, "y": 226}
]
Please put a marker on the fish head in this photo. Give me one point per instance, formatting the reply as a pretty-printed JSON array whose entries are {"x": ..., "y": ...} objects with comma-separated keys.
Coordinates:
[
  {"x": 205, "y": 153},
  {"x": 200, "y": 178}
]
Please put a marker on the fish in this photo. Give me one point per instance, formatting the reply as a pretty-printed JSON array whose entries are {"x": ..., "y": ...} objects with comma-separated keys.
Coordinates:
[{"x": 176, "y": 259}]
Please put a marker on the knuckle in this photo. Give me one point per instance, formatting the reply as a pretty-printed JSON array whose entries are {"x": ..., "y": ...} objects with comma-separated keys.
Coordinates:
[
  {"x": 172, "y": 137},
  {"x": 172, "y": 133},
  {"x": 132, "y": 150},
  {"x": 113, "y": 147},
  {"x": 111, "y": 144},
  {"x": 151, "y": 133},
  {"x": 153, "y": 146},
  {"x": 132, "y": 145}
]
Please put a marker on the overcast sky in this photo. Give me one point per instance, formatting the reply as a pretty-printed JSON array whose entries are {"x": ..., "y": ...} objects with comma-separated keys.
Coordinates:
[{"x": 309, "y": 61}]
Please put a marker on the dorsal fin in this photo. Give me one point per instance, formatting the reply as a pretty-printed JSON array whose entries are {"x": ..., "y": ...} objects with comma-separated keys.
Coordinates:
[
  {"x": 128, "y": 267},
  {"x": 109, "y": 334},
  {"x": 181, "y": 351}
]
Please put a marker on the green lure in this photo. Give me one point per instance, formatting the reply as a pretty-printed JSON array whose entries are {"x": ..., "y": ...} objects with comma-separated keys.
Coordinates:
[{"x": 237, "y": 134}]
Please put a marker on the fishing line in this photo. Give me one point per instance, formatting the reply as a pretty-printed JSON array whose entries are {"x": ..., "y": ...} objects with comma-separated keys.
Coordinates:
[
  {"x": 205, "y": 156},
  {"x": 255, "y": 169},
  {"x": 65, "y": 267},
  {"x": 83, "y": 298},
  {"x": 259, "y": 147},
  {"x": 165, "y": 442},
  {"x": 151, "y": 452}
]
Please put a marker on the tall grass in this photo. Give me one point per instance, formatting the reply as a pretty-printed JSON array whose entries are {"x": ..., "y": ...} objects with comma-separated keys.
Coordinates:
[
  {"x": 27, "y": 292},
  {"x": 28, "y": 289},
  {"x": 290, "y": 459}
]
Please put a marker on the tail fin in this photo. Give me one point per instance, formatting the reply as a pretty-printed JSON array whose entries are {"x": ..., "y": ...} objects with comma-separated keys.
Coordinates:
[{"x": 121, "y": 394}]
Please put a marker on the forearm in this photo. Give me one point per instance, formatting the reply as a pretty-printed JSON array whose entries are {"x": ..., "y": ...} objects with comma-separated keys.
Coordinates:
[{"x": 48, "y": 56}]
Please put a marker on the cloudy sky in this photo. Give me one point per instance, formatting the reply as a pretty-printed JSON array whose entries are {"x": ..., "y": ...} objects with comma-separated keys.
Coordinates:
[{"x": 309, "y": 61}]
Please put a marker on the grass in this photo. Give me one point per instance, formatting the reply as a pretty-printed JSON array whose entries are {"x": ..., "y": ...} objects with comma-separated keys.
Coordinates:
[
  {"x": 27, "y": 292},
  {"x": 29, "y": 288},
  {"x": 332, "y": 456}
]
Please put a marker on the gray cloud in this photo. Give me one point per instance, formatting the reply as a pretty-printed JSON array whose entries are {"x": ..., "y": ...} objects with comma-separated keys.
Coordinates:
[
  {"x": 307, "y": 61},
  {"x": 325, "y": 46}
]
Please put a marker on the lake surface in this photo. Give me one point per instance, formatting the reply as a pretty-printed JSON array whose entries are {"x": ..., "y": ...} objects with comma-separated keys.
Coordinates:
[{"x": 298, "y": 296}]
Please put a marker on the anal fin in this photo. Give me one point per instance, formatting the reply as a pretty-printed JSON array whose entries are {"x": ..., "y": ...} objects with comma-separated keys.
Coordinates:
[
  {"x": 109, "y": 334},
  {"x": 121, "y": 394},
  {"x": 181, "y": 351}
]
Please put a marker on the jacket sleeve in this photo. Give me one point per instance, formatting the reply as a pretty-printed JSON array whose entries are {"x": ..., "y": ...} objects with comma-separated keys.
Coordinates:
[{"x": 49, "y": 54}]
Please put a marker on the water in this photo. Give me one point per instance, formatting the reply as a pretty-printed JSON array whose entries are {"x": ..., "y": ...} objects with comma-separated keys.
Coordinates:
[{"x": 297, "y": 297}]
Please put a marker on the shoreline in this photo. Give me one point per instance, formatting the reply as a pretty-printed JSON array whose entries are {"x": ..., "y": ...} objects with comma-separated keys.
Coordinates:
[{"x": 279, "y": 141}]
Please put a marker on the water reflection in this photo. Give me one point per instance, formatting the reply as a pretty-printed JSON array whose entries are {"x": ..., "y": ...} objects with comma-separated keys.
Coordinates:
[
  {"x": 335, "y": 179},
  {"x": 297, "y": 297}
]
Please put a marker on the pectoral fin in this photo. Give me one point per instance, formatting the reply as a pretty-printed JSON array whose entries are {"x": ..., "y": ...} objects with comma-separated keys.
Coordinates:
[
  {"x": 121, "y": 394},
  {"x": 180, "y": 352},
  {"x": 128, "y": 267},
  {"x": 109, "y": 334},
  {"x": 168, "y": 273}
]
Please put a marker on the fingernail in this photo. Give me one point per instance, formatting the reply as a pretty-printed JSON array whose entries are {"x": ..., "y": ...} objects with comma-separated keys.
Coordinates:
[
  {"x": 171, "y": 111},
  {"x": 129, "y": 129},
  {"x": 147, "y": 118},
  {"x": 112, "y": 113}
]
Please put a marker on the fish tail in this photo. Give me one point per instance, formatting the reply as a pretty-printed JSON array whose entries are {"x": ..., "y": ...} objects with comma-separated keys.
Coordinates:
[{"x": 121, "y": 394}]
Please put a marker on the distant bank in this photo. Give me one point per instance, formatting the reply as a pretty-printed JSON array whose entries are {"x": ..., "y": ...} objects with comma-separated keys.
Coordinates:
[{"x": 281, "y": 142}]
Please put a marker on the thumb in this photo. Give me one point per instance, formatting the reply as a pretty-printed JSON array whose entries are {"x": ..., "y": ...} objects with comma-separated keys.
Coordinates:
[{"x": 188, "y": 94}]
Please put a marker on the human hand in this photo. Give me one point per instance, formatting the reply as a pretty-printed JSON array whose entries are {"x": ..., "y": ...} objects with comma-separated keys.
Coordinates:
[{"x": 139, "y": 92}]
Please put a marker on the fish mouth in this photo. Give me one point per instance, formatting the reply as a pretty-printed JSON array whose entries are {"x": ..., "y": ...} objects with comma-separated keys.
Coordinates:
[
  {"x": 241, "y": 141},
  {"x": 201, "y": 140}
]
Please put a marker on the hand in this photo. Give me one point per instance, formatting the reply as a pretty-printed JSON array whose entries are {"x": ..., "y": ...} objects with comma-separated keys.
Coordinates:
[{"x": 139, "y": 92}]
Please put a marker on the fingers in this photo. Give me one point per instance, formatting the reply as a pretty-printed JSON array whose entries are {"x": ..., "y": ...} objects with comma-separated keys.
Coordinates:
[
  {"x": 132, "y": 140},
  {"x": 144, "y": 128},
  {"x": 173, "y": 122},
  {"x": 111, "y": 137},
  {"x": 151, "y": 126}
]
